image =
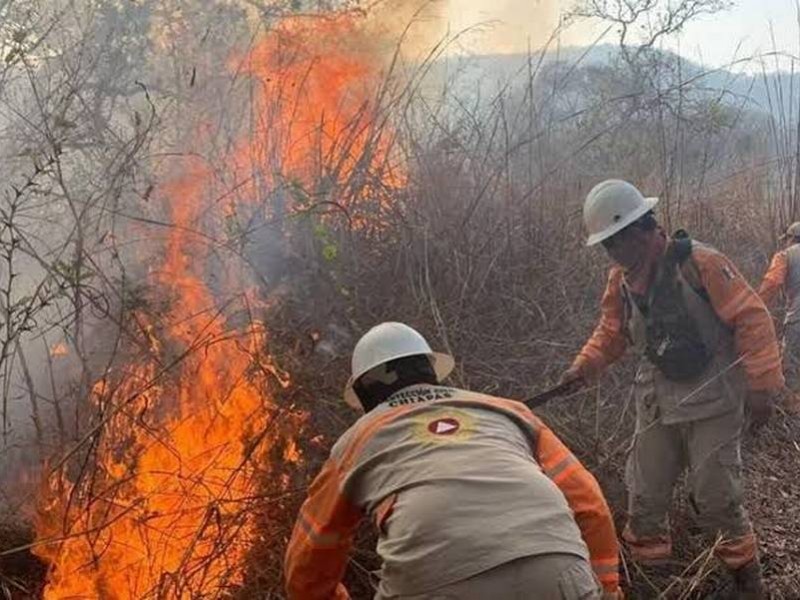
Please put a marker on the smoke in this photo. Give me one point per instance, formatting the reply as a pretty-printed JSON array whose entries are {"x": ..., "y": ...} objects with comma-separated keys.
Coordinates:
[
  {"x": 478, "y": 26},
  {"x": 512, "y": 26},
  {"x": 414, "y": 27}
]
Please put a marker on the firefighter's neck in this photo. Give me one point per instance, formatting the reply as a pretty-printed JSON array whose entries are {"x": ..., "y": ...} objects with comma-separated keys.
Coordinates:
[{"x": 641, "y": 257}]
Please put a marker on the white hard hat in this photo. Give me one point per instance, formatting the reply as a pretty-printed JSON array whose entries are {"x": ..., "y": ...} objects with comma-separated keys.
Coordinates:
[
  {"x": 387, "y": 342},
  {"x": 611, "y": 206},
  {"x": 793, "y": 231}
]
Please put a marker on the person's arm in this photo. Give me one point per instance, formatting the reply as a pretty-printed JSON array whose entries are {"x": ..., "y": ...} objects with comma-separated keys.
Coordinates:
[
  {"x": 741, "y": 309},
  {"x": 774, "y": 279},
  {"x": 321, "y": 540},
  {"x": 608, "y": 343},
  {"x": 586, "y": 499}
]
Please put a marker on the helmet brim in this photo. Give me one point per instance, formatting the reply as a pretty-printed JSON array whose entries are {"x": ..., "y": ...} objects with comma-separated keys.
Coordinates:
[
  {"x": 443, "y": 364},
  {"x": 793, "y": 231},
  {"x": 647, "y": 206}
]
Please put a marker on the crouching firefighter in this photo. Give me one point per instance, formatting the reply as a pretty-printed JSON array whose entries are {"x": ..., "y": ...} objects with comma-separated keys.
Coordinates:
[
  {"x": 709, "y": 351},
  {"x": 472, "y": 496}
]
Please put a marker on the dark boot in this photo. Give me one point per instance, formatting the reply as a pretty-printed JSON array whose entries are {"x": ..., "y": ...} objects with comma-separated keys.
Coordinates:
[{"x": 749, "y": 582}]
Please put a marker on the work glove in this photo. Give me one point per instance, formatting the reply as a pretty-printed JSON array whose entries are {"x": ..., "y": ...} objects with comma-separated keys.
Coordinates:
[
  {"x": 613, "y": 595},
  {"x": 760, "y": 406},
  {"x": 573, "y": 375},
  {"x": 791, "y": 402}
]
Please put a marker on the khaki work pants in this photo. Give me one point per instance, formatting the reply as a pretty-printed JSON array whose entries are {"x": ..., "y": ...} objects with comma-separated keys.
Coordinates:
[
  {"x": 542, "y": 577},
  {"x": 710, "y": 450},
  {"x": 791, "y": 355}
]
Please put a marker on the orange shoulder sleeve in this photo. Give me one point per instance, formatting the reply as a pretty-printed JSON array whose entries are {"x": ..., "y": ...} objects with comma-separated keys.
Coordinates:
[
  {"x": 321, "y": 540},
  {"x": 774, "y": 278},
  {"x": 607, "y": 343},
  {"x": 587, "y": 502},
  {"x": 741, "y": 309}
]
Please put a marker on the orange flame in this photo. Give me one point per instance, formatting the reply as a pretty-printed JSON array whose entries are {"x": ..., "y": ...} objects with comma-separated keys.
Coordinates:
[
  {"x": 165, "y": 515},
  {"x": 167, "y": 510},
  {"x": 320, "y": 135}
]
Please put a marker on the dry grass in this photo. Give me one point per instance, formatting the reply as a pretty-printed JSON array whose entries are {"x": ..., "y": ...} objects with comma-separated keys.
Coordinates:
[
  {"x": 501, "y": 279},
  {"x": 481, "y": 249}
]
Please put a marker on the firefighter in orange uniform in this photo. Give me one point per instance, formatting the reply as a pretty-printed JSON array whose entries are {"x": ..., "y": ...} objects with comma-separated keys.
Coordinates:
[
  {"x": 784, "y": 274},
  {"x": 472, "y": 495},
  {"x": 709, "y": 350}
]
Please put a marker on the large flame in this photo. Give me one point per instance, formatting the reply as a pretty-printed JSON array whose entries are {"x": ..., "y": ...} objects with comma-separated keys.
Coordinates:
[
  {"x": 163, "y": 512},
  {"x": 321, "y": 133},
  {"x": 158, "y": 502}
]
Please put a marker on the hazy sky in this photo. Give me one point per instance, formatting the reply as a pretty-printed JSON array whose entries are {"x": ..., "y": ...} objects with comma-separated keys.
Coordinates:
[{"x": 714, "y": 39}]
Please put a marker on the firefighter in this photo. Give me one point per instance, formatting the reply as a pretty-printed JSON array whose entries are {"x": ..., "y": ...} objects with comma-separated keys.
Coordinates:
[
  {"x": 709, "y": 351},
  {"x": 472, "y": 496},
  {"x": 784, "y": 274}
]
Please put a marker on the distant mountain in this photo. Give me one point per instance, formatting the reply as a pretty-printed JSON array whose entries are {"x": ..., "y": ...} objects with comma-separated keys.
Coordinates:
[{"x": 482, "y": 76}]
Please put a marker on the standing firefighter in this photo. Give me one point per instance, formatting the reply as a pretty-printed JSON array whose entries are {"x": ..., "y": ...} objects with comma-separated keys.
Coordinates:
[
  {"x": 784, "y": 273},
  {"x": 710, "y": 349},
  {"x": 472, "y": 496}
]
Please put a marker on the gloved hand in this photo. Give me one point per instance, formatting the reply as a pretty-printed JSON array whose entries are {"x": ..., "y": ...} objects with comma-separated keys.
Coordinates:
[
  {"x": 613, "y": 594},
  {"x": 790, "y": 401},
  {"x": 760, "y": 407},
  {"x": 573, "y": 374}
]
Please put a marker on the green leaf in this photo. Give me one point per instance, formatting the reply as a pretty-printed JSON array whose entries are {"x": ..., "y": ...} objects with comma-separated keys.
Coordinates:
[
  {"x": 321, "y": 232},
  {"x": 330, "y": 252}
]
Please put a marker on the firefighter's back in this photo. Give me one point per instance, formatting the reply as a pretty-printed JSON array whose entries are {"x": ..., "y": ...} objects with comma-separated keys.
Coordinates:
[{"x": 450, "y": 479}]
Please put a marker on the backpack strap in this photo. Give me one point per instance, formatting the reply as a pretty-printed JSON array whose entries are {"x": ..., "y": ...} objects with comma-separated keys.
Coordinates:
[
  {"x": 680, "y": 247},
  {"x": 679, "y": 253},
  {"x": 627, "y": 311}
]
